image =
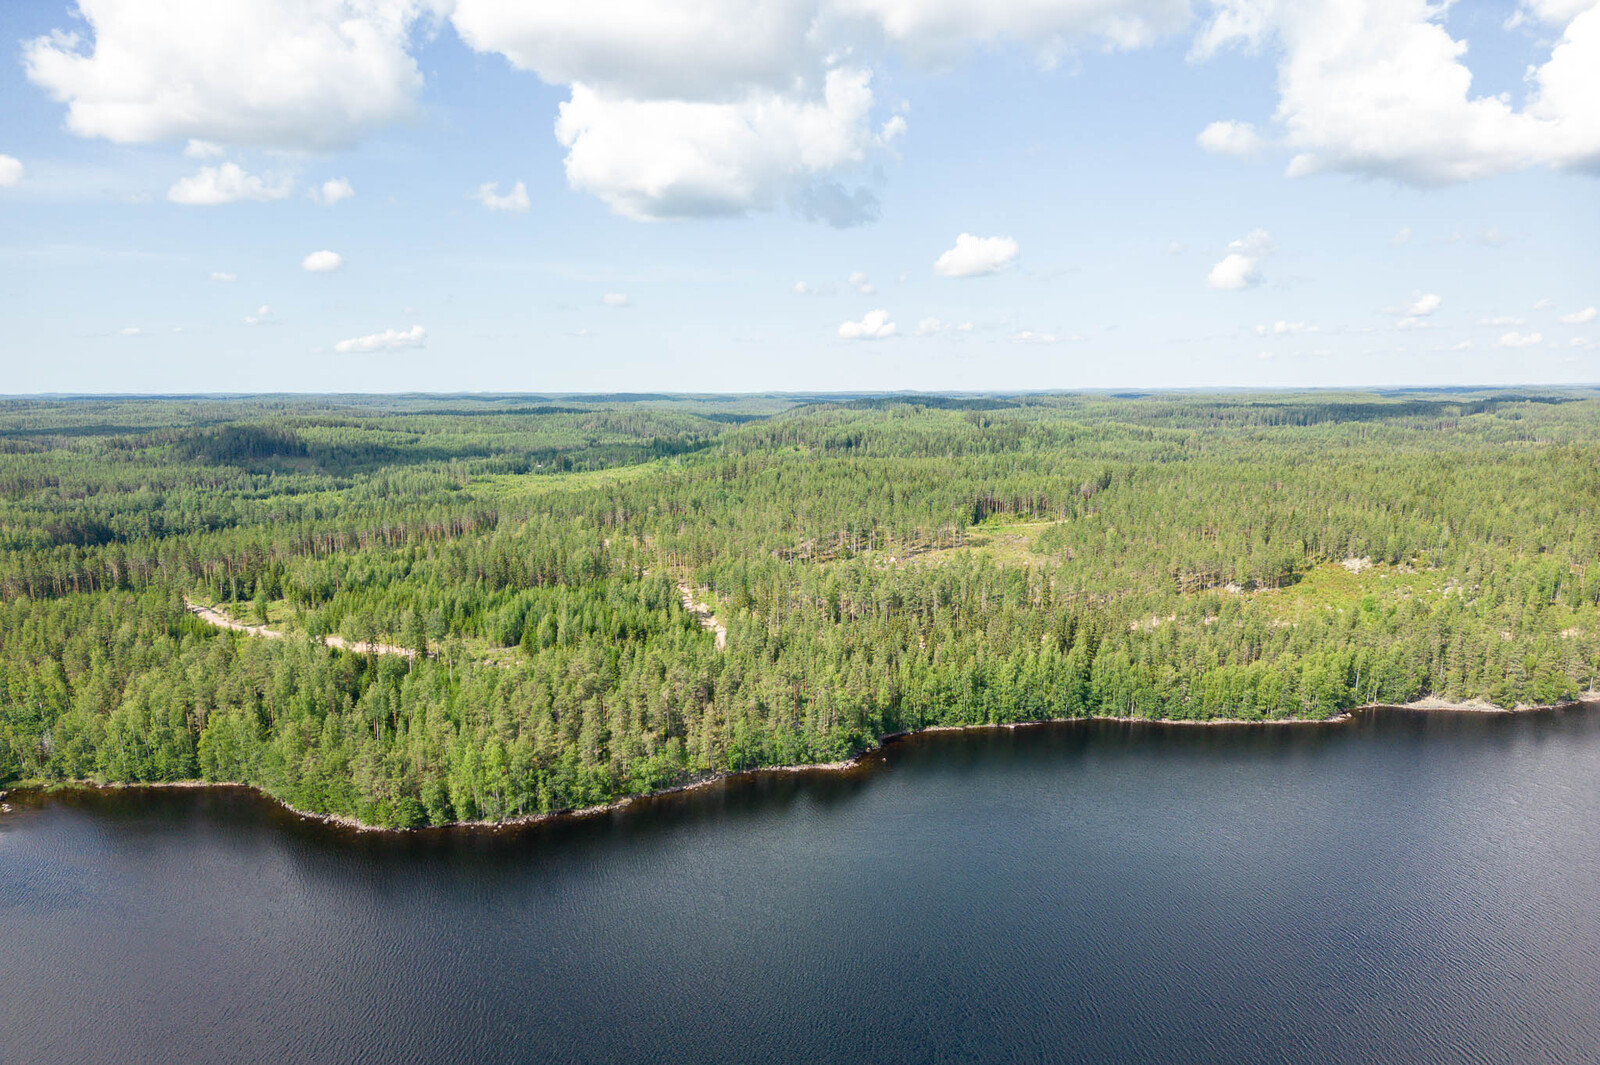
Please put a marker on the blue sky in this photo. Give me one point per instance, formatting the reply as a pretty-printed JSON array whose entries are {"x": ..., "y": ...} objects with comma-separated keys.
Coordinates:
[{"x": 1450, "y": 237}]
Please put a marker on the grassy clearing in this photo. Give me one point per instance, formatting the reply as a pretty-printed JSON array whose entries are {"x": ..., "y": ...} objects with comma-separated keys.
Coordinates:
[{"x": 521, "y": 487}]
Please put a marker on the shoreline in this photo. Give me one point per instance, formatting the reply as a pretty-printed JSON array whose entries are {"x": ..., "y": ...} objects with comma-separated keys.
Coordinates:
[{"x": 1425, "y": 704}]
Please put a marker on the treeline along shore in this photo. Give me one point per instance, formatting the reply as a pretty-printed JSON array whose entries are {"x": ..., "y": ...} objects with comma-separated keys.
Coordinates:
[{"x": 491, "y": 608}]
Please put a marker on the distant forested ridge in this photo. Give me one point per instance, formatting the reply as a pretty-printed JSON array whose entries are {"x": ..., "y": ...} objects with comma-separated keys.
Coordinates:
[{"x": 879, "y": 564}]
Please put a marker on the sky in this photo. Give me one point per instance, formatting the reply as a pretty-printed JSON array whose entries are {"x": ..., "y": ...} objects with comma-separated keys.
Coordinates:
[{"x": 796, "y": 195}]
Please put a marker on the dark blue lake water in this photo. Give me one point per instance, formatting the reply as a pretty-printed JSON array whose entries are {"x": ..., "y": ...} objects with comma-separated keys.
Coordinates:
[{"x": 1404, "y": 887}]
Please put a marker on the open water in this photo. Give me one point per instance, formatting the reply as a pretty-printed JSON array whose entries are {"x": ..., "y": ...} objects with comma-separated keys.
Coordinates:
[{"x": 1403, "y": 887}]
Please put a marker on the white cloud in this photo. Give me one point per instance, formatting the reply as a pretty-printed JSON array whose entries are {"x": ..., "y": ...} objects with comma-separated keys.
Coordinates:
[
  {"x": 684, "y": 158},
  {"x": 1230, "y": 138},
  {"x": 1501, "y": 320},
  {"x": 131, "y": 331},
  {"x": 974, "y": 256},
  {"x": 227, "y": 183},
  {"x": 1543, "y": 304},
  {"x": 322, "y": 262},
  {"x": 862, "y": 284},
  {"x": 936, "y": 33},
  {"x": 1588, "y": 314},
  {"x": 1520, "y": 340},
  {"x": 312, "y": 74},
  {"x": 874, "y": 326},
  {"x": 197, "y": 149},
  {"x": 1580, "y": 342},
  {"x": 802, "y": 289},
  {"x": 1378, "y": 87},
  {"x": 263, "y": 313},
  {"x": 1174, "y": 247},
  {"x": 1402, "y": 237},
  {"x": 682, "y": 108},
  {"x": 615, "y": 299},
  {"x": 1241, "y": 267},
  {"x": 1234, "y": 272},
  {"x": 332, "y": 191},
  {"x": 1028, "y": 336},
  {"x": 931, "y": 326},
  {"x": 1425, "y": 303},
  {"x": 516, "y": 200},
  {"x": 388, "y": 340},
  {"x": 11, "y": 171},
  {"x": 223, "y": 275}
]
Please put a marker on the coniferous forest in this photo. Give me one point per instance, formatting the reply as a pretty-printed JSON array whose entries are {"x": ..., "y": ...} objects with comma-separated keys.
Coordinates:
[{"x": 475, "y": 608}]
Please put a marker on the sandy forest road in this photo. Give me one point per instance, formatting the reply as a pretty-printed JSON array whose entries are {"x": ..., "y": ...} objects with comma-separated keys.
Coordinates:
[
  {"x": 700, "y": 610},
  {"x": 206, "y": 614}
]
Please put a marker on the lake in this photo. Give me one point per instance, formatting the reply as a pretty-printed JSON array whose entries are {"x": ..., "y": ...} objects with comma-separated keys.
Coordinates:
[{"x": 1400, "y": 887}]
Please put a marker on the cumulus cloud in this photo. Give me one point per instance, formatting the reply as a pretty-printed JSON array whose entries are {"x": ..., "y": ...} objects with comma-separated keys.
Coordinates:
[
  {"x": 131, "y": 331},
  {"x": 1521, "y": 340},
  {"x": 322, "y": 262},
  {"x": 974, "y": 256},
  {"x": 932, "y": 326},
  {"x": 937, "y": 33},
  {"x": 261, "y": 317},
  {"x": 1425, "y": 303},
  {"x": 1235, "y": 271},
  {"x": 1378, "y": 87},
  {"x": 516, "y": 200},
  {"x": 1402, "y": 237},
  {"x": 388, "y": 340},
  {"x": 11, "y": 171},
  {"x": 674, "y": 158},
  {"x": 1588, "y": 314},
  {"x": 615, "y": 299},
  {"x": 1241, "y": 267},
  {"x": 1230, "y": 138},
  {"x": 228, "y": 183},
  {"x": 682, "y": 108},
  {"x": 874, "y": 326},
  {"x": 223, "y": 275},
  {"x": 1501, "y": 320},
  {"x": 198, "y": 149},
  {"x": 862, "y": 283},
  {"x": 314, "y": 74},
  {"x": 332, "y": 191},
  {"x": 1028, "y": 336},
  {"x": 1543, "y": 304}
]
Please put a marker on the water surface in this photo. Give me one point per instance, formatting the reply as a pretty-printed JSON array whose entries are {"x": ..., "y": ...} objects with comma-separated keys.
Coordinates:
[{"x": 1404, "y": 887}]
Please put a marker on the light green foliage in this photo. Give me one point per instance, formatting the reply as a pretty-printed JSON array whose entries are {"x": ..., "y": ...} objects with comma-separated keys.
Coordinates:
[{"x": 879, "y": 565}]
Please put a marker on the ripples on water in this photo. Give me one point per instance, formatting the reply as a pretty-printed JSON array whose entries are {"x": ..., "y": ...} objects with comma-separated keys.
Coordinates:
[{"x": 1401, "y": 888}]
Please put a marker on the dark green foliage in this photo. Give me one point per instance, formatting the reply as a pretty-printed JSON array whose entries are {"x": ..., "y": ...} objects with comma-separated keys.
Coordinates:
[{"x": 1174, "y": 559}]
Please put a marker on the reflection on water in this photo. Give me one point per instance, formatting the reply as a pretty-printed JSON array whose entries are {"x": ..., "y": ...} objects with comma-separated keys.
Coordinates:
[{"x": 1398, "y": 887}]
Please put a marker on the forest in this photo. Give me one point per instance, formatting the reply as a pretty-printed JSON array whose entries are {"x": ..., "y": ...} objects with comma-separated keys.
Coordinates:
[{"x": 475, "y": 608}]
